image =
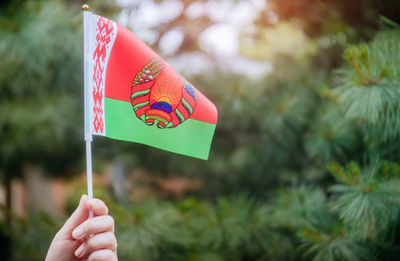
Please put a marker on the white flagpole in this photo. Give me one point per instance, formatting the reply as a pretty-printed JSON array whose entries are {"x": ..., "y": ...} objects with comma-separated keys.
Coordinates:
[
  {"x": 89, "y": 172},
  {"x": 88, "y": 132}
]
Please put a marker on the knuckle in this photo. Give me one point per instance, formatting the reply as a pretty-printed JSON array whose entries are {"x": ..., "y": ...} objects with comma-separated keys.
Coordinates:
[
  {"x": 100, "y": 204},
  {"x": 108, "y": 254},
  {"x": 110, "y": 220},
  {"x": 110, "y": 237},
  {"x": 113, "y": 241},
  {"x": 99, "y": 207}
]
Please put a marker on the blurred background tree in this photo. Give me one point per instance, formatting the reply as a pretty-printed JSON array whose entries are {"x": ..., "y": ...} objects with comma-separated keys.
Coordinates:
[
  {"x": 304, "y": 163},
  {"x": 39, "y": 94}
]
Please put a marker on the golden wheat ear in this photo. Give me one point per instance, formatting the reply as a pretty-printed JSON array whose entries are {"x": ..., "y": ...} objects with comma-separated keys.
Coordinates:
[{"x": 149, "y": 72}]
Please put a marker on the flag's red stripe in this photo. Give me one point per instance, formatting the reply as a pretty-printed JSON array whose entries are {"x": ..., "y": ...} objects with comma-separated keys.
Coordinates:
[{"x": 127, "y": 58}]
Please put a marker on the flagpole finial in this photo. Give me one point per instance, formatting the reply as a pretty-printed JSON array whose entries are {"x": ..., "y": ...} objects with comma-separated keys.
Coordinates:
[{"x": 85, "y": 7}]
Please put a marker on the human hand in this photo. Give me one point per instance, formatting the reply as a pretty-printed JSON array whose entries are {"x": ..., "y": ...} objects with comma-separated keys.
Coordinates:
[{"x": 85, "y": 239}]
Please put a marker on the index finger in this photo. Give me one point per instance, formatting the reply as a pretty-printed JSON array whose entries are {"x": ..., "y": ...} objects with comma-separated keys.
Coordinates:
[
  {"x": 97, "y": 206},
  {"x": 94, "y": 225}
]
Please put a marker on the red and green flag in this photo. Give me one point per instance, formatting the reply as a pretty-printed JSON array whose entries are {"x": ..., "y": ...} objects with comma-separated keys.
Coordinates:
[{"x": 134, "y": 95}]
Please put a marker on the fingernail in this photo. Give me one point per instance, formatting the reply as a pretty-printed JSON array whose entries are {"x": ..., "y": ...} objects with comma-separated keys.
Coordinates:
[
  {"x": 79, "y": 251},
  {"x": 77, "y": 233}
]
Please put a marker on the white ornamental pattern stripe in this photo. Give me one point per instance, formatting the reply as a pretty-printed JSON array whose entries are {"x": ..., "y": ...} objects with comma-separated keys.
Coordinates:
[{"x": 106, "y": 32}]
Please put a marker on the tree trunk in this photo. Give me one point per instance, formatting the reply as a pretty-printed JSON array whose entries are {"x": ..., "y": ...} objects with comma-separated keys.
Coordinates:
[
  {"x": 8, "y": 200},
  {"x": 5, "y": 240}
]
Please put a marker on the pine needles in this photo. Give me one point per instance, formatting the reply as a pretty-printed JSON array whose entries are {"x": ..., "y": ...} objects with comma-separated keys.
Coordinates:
[
  {"x": 371, "y": 195},
  {"x": 369, "y": 86}
]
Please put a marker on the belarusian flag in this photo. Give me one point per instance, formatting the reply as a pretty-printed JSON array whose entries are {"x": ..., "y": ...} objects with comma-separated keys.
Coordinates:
[{"x": 134, "y": 95}]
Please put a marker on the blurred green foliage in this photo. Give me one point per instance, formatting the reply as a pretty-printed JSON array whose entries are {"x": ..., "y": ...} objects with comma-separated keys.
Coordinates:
[
  {"x": 356, "y": 221},
  {"x": 39, "y": 86},
  {"x": 305, "y": 160}
]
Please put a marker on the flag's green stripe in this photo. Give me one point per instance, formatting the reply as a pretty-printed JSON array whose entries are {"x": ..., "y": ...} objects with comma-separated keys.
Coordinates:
[
  {"x": 187, "y": 106},
  {"x": 192, "y": 137},
  {"x": 139, "y": 105},
  {"x": 140, "y": 93}
]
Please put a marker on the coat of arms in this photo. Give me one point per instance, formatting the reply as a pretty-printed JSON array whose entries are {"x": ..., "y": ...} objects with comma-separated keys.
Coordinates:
[{"x": 162, "y": 97}]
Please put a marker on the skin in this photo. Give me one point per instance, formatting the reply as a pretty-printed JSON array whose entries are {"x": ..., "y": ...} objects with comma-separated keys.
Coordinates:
[{"x": 85, "y": 239}]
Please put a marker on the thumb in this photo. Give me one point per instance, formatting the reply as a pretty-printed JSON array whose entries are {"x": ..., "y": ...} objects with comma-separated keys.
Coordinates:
[{"x": 80, "y": 214}]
